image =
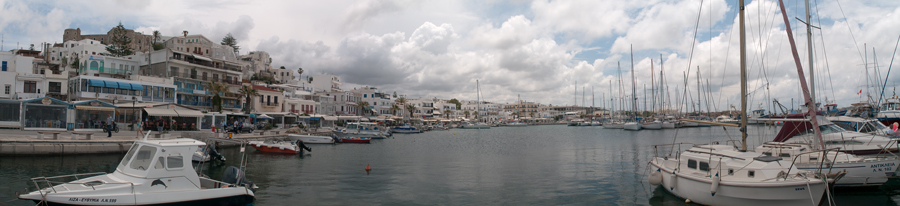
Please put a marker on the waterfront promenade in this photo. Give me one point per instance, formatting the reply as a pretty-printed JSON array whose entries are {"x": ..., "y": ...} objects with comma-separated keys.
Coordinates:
[{"x": 18, "y": 142}]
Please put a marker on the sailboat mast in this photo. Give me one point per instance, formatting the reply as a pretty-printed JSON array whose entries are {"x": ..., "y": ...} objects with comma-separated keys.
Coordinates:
[
  {"x": 743, "y": 42},
  {"x": 811, "y": 108},
  {"x": 812, "y": 75},
  {"x": 633, "y": 87}
]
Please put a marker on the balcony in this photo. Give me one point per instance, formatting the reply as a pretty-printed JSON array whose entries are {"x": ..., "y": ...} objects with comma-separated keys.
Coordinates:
[
  {"x": 195, "y": 103},
  {"x": 231, "y": 106}
]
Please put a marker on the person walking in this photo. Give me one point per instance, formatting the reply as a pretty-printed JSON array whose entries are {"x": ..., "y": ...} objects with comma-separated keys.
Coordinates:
[
  {"x": 109, "y": 125},
  {"x": 140, "y": 129},
  {"x": 159, "y": 125}
]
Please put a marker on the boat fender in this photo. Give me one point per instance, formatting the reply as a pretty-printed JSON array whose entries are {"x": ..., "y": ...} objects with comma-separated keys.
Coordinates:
[
  {"x": 655, "y": 177},
  {"x": 715, "y": 184},
  {"x": 673, "y": 181}
]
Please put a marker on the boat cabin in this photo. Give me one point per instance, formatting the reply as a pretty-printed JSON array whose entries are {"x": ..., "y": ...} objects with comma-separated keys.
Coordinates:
[
  {"x": 728, "y": 162},
  {"x": 152, "y": 159}
]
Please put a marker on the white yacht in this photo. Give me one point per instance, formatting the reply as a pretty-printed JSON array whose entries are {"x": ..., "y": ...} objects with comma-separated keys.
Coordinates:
[
  {"x": 723, "y": 175},
  {"x": 153, "y": 172},
  {"x": 861, "y": 125},
  {"x": 477, "y": 125},
  {"x": 654, "y": 125},
  {"x": 614, "y": 125},
  {"x": 836, "y": 137},
  {"x": 861, "y": 171}
]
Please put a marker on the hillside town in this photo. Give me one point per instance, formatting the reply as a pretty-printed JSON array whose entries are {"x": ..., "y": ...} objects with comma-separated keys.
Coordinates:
[{"x": 192, "y": 82}]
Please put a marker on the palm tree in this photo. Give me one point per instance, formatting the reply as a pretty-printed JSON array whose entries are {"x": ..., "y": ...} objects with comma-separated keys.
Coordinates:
[
  {"x": 447, "y": 113},
  {"x": 363, "y": 106},
  {"x": 248, "y": 92},
  {"x": 395, "y": 109},
  {"x": 185, "y": 32},
  {"x": 410, "y": 108},
  {"x": 467, "y": 114},
  {"x": 216, "y": 88},
  {"x": 156, "y": 36}
]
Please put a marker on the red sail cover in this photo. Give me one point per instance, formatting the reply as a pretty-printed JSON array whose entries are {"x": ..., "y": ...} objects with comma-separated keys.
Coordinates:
[{"x": 792, "y": 128}]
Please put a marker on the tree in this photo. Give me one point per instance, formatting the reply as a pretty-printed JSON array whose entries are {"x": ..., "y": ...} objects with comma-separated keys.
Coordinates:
[
  {"x": 216, "y": 88},
  {"x": 185, "y": 32},
  {"x": 156, "y": 36},
  {"x": 455, "y": 101},
  {"x": 410, "y": 108},
  {"x": 248, "y": 93},
  {"x": 363, "y": 106},
  {"x": 310, "y": 80},
  {"x": 299, "y": 71},
  {"x": 75, "y": 63},
  {"x": 447, "y": 113},
  {"x": 395, "y": 109},
  {"x": 231, "y": 41},
  {"x": 467, "y": 114},
  {"x": 119, "y": 41},
  {"x": 395, "y": 94},
  {"x": 282, "y": 67}
]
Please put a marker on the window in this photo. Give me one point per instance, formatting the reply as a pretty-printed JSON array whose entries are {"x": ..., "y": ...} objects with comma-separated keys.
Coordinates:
[
  {"x": 6, "y": 89},
  {"x": 30, "y": 87},
  {"x": 767, "y": 153},
  {"x": 785, "y": 155},
  {"x": 261, "y": 99},
  {"x": 268, "y": 100},
  {"x": 704, "y": 166},
  {"x": 692, "y": 164},
  {"x": 175, "y": 162},
  {"x": 276, "y": 100},
  {"x": 751, "y": 173},
  {"x": 730, "y": 171},
  {"x": 143, "y": 158},
  {"x": 55, "y": 87},
  {"x": 3, "y": 66}
]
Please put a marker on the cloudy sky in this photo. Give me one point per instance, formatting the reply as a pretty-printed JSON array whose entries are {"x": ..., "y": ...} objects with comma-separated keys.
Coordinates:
[{"x": 538, "y": 51}]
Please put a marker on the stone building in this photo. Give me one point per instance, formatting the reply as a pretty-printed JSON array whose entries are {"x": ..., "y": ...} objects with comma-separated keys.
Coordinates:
[{"x": 139, "y": 42}]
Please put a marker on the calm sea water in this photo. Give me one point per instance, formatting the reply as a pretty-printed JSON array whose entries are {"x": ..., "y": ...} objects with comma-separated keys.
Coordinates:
[{"x": 535, "y": 165}]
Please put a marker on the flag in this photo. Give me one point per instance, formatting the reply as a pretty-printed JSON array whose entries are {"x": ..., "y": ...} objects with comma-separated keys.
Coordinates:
[{"x": 860, "y": 91}]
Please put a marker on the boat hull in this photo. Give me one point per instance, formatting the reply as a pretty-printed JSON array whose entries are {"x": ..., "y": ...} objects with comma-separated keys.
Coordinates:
[
  {"x": 311, "y": 139},
  {"x": 668, "y": 125},
  {"x": 356, "y": 140},
  {"x": 239, "y": 200},
  {"x": 476, "y": 127},
  {"x": 263, "y": 148},
  {"x": 653, "y": 126},
  {"x": 861, "y": 173},
  {"x": 633, "y": 126},
  {"x": 729, "y": 193},
  {"x": 613, "y": 126}
]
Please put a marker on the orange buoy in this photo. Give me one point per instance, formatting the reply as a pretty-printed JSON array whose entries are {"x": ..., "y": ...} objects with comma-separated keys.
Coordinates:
[{"x": 368, "y": 169}]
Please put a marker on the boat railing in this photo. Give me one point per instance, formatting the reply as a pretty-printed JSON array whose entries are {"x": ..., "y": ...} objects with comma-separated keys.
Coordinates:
[
  {"x": 38, "y": 181},
  {"x": 671, "y": 148},
  {"x": 821, "y": 164}
]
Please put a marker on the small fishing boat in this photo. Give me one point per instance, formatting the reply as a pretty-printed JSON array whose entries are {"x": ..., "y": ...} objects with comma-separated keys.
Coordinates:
[
  {"x": 153, "y": 172},
  {"x": 405, "y": 129},
  {"x": 277, "y": 146},
  {"x": 311, "y": 139},
  {"x": 355, "y": 139}
]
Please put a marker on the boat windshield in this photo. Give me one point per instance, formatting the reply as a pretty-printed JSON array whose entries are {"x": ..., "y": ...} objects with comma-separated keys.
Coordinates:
[
  {"x": 828, "y": 128},
  {"x": 129, "y": 155}
]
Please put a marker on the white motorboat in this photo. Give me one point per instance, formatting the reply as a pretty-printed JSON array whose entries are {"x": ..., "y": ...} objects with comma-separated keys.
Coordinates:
[
  {"x": 861, "y": 171},
  {"x": 654, "y": 125},
  {"x": 515, "y": 124},
  {"x": 311, "y": 139},
  {"x": 362, "y": 129},
  {"x": 634, "y": 126},
  {"x": 835, "y": 137},
  {"x": 584, "y": 123},
  {"x": 575, "y": 122},
  {"x": 726, "y": 119},
  {"x": 595, "y": 123},
  {"x": 153, "y": 172},
  {"x": 735, "y": 178},
  {"x": 206, "y": 153},
  {"x": 868, "y": 126}
]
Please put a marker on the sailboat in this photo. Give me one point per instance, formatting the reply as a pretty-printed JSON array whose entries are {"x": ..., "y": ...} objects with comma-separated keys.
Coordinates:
[
  {"x": 633, "y": 124},
  {"x": 724, "y": 175},
  {"x": 476, "y": 124}
]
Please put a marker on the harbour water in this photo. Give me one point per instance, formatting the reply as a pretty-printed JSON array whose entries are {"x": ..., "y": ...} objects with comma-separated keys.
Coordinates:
[{"x": 534, "y": 165}]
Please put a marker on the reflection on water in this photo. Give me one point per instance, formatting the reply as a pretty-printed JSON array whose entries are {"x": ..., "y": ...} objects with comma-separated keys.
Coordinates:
[{"x": 536, "y": 165}]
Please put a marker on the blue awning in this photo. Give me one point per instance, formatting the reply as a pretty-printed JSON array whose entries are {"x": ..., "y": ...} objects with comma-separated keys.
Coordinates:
[
  {"x": 137, "y": 87},
  {"x": 124, "y": 85},
  {"x": 111, "y": 84},
  {"x": 96, "y": 83}
]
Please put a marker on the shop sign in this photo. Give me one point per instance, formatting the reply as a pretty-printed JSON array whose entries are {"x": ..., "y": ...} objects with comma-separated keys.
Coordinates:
[
  {"x": 46, "y": 101},
  {"x": 171, "y": 106},
  {"x": 95, "y": 104}
]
